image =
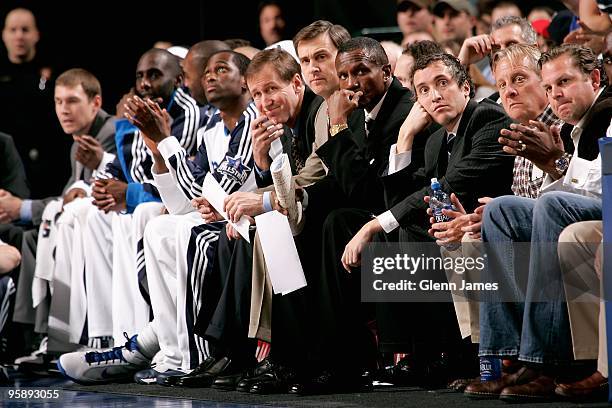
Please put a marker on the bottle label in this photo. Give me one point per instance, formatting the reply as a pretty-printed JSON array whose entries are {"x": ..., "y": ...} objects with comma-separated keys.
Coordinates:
[{"x": 490, "y": 368}]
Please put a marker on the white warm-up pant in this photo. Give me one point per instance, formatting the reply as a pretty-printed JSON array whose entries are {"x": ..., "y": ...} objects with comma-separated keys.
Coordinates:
[
  {"x": 67, "y": 310},
  {"x": 114, "y": 302},
  {"x": 165, "y": 244}
]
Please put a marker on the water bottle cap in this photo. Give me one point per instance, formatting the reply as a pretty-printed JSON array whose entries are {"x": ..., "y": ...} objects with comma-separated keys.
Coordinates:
[{"x": 434, "y": 180}]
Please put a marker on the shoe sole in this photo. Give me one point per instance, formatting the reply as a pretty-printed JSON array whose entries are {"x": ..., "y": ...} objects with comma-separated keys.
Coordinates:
[
  {"x": 520, "y": 398},
  {"x": 63, "y": 372},
  {"x": 223, "y": 387},
  {"x": 480, "y": 395}
]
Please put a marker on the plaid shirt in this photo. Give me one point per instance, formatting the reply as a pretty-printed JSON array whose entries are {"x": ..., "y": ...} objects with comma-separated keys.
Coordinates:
[{"x": 524, "y": 184}]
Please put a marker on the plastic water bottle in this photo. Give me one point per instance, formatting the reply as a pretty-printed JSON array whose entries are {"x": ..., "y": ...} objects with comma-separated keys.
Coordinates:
[
  {"x": 490, "y": 368},
  {"x": 438, "y": 201}
]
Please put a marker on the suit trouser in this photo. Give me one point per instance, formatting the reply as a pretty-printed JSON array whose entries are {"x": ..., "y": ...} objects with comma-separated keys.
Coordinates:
[
  {"x": 403, "y": 327},
  {"x": 578, "y": 244},
  {"x": 466, "y": 309},
  {"x": 329, "y": 310},
  {"x": 226, "y": 299}
]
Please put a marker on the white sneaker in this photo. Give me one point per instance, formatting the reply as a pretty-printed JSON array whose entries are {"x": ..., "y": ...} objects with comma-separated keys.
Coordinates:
[
  {"x": 114, "y": 365},
  {"x": 37, "y": 355}
]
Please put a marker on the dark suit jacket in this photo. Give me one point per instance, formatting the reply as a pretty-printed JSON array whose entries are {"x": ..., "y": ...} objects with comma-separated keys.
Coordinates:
[
  {"x": 12, "y": 172},
  {"x": 478, "y": 166},
  {"x": 103, "y": 129},
  {"x": 356, "y": 161},
  {"x": 304, "y": 128}
]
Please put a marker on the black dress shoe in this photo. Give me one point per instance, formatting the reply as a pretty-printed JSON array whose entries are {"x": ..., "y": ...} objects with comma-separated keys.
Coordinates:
[
  {"x": 276, "y": 380},
  {"x": 204, "y": 375},
  {"x": 328, "y": 383},
  {"x": 172, "y": 380},
  {"x": 250, "y": 377},
  {"x": 407, "y": 371},
  {"x": 227, "y": 382}
]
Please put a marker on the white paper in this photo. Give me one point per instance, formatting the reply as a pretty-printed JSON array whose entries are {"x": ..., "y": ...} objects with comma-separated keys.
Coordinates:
[
  {"x": 214, "y": 193},
  {"x": 280, "y": 253}
]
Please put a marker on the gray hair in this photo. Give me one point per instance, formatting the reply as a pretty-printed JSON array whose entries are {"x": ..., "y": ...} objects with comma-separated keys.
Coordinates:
[{"x": 528, "y": 34}]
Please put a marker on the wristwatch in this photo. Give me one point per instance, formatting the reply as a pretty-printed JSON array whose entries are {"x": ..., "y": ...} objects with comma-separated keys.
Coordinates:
[
  {"x": 335, "y": 129},
  {"x": 562, "y": 163}
]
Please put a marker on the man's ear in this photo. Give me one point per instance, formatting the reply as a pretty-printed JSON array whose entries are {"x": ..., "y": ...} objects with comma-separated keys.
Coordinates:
[
  {"x": 243, "y": 84},
  {"x": 596, "y": 78},
  {"x": 466, "y": 88},
  {"x": 178, "y": 82},
  {"x": 97, "y": 101},
  {"x": 298, "y": 83},
  {"x": 387, "y": 72}
]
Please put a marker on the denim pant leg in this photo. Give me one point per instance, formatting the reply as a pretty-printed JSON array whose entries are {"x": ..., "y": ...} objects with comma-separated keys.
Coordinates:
[
  {"x": 546, "y": 334},
  {"x": 506, "y": 220}
]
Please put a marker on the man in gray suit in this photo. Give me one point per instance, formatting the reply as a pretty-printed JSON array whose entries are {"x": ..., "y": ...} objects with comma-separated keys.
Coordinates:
[{"x": 78, "y": 104}]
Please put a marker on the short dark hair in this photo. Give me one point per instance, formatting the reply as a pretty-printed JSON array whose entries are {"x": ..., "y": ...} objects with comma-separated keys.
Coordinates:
[
  {"x": 584, "y": 58},
  {"x": 420, "y": 48},
  {"x": 459, "y": 73},
  {"x": 376, "y": 53},
  {"x": 281, "y": 61},
  {"x": 78, "y": 76},
  {"x": 337, "y": 33},
  {"x": 201, "y": 51},
  {"x": 265, "y": 3},
  {"x": 234, "y": 43},
  {"x": 240, "y": 60}
]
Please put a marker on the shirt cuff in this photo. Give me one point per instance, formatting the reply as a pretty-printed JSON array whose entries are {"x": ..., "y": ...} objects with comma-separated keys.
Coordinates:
[
  {"x": 163, "y": 180},
  {"x": 387, "y": 221},
  {"x": 267, "y": 203},
  {"x": 169, "y": 147},
  {"x": 262, "y": 173},
  {"x": 398, "y": 161},
  {"x": 25, "y": 213},
  {"x": 305, "y": 200}
]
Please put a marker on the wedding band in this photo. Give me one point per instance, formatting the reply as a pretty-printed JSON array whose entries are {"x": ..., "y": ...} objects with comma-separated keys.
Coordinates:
[{"x": 521, "y": 147}]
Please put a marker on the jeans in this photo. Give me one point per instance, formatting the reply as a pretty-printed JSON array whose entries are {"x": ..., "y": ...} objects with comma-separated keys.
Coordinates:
[{"x": 537, "y": 330}]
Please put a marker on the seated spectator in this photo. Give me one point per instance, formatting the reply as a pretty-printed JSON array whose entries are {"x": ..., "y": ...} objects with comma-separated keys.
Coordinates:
[
  {"x": 414, "y": 16},
  {"x": 272, "y": 22},
  {"x": 454, "y": 20},
  {"x": 536, "y": 333},
  {"x": 405, "y": 62}
]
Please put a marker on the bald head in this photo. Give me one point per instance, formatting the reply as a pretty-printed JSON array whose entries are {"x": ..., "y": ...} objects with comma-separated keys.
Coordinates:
[
  {"x": 20, "y": 35},
  {"x": 194, "y": 63},
  {"x": 158, "y": 74}
]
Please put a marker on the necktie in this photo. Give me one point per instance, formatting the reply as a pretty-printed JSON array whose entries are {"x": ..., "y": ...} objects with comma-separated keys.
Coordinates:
[
  {"x": 295, "y": 155},
  {"x": 450, "y": 140},
  {"x": 369, "y": 123}
]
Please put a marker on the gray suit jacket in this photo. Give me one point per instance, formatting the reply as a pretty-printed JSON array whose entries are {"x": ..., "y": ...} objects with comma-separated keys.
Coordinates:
[{"x": 103, "y": 129}]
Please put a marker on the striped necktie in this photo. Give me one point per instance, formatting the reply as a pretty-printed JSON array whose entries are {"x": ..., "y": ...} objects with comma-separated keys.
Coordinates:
[{"x": 450, "y": 140}]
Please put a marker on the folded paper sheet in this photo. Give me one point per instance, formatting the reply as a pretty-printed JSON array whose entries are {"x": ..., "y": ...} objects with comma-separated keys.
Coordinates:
[
  {"x": 282, "y": 260},
  {"x": 214, "y": 193}
]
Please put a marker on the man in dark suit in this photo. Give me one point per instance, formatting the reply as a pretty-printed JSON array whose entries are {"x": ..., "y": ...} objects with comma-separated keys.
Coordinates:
[
  {"x": 468, "y": 161},
  {"x": 365, "y": 117}
]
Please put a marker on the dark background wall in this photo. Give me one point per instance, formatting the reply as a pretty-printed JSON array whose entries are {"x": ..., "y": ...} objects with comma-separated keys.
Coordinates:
[{"x": 107, "y": 37}]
